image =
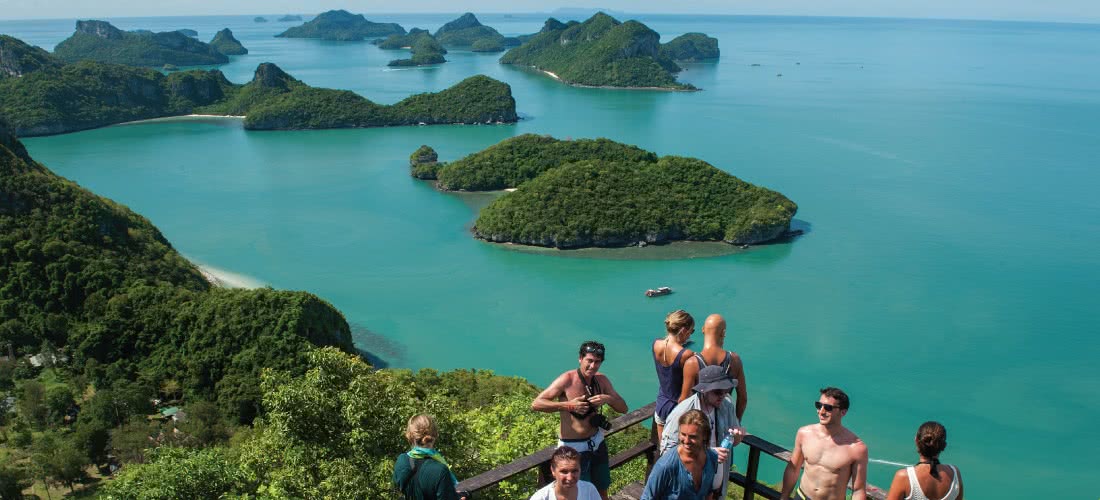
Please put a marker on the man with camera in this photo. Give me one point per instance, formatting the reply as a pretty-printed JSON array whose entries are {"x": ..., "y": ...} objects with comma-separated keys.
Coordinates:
[
  {"x": 711, "y": 398},
  {"x": 577, "y": 396}
]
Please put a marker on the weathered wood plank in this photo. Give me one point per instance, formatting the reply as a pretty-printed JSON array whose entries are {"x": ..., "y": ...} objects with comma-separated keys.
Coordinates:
[
  {"x": 632, "y": 491},
  {"x": 639, "y": 450}
]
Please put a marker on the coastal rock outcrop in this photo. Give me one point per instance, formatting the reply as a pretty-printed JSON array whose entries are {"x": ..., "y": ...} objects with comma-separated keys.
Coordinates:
[
  {"x": 424, "y": 163},
  {"x": 342, "y": 25},
  {"x": 102, "y": 42},
  {"x": 227, "y": 44},
  {"x": 468, "y": 32}
]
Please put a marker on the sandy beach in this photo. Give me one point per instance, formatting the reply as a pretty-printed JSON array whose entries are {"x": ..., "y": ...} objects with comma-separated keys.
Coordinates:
[{"x": 225, "y": 279}]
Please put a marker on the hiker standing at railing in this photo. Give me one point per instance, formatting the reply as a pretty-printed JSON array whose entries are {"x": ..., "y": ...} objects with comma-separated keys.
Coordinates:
[
  {"x": 422, "y": 473},
  {"x": 714, "y": 353},
  {"x": 832, "y": 455},
  {"x": 937, "y": 480},
  {"x": 669, "y": 355},
  {"x": 711, "y": 399},
  {"x": 577, "y": 396}
]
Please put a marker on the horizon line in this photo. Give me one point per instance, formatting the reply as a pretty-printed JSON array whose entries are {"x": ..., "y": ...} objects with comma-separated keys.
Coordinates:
[{"x": 1090, "y": 22}]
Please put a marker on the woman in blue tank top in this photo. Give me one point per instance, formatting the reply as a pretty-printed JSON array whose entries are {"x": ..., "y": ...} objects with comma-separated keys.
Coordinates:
[{"x": 668, "y": 355}]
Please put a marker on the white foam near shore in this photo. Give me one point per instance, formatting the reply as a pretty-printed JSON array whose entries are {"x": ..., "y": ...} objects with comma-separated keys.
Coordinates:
[{"x": 226, "y": 279}]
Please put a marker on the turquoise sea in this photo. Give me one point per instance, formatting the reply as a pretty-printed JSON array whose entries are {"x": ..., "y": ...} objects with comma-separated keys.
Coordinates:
[{"x": 945, "y": 173}]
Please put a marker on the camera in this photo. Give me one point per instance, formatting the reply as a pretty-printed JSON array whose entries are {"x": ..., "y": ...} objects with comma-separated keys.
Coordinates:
[{"x": 600, "y": 421}]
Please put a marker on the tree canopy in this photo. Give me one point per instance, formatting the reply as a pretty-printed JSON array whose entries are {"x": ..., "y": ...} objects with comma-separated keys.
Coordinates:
[
  {"x": 102, "y": 42},
  {"x": 342, "y": 25}
]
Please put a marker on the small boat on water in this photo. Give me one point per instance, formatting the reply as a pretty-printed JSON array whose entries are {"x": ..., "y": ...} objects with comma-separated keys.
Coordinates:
[{"x": 664, "y": 290}]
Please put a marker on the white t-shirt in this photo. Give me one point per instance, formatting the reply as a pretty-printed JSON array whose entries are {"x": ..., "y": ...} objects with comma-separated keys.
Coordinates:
[{"x": 585, "y": 491}]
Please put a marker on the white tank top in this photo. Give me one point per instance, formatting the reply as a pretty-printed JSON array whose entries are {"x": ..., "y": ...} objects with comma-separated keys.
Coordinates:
[{"x": 915, "y": 493}]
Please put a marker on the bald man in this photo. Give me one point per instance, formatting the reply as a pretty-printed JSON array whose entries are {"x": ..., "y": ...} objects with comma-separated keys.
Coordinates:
[{"x": 715, "y": 353}]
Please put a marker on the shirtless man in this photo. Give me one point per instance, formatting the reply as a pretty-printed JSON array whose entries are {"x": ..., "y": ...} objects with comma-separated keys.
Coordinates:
[
  {"x": 577, "y": 396},
  {"x": 832, "y": 455},
  {"x": 714, "y": 353}
]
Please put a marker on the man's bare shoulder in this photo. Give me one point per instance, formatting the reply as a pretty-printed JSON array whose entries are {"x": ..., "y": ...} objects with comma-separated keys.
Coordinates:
[
  {"x": 808, "y": 430},
  {"x": 602, "y": 379}
]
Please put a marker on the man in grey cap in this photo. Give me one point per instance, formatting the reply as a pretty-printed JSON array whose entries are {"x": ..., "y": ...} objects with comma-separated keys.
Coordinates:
[{"x": 712, "y": 398}]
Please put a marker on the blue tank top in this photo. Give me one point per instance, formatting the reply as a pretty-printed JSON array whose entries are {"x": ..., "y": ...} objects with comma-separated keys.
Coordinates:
[{"x": 670, "y": 379}]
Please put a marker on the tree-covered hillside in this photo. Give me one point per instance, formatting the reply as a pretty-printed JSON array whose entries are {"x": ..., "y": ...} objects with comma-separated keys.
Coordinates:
[
  {"x": 691, "y": 47},
  {"x": 425, "y": 49},
  {"x": 99, "y": 284},
  {"x": 468, "y": 32},
  {"x": 18, "y": 58},
  {"x": 585, "y": 193},
  {"x": 519, "y": 159},
  {"x": 102, "y": 42},
  {"x": 342, "y": 25},
  {"x": 599, "y": 52},
  {"x": 68, "y": 98},
  {"x": 227, "y": 44}
]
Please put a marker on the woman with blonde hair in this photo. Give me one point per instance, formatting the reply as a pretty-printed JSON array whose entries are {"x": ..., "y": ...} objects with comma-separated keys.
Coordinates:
[
  {"x": 668, "y": 355},
  {"x": 422, "y": 473},
  {"x": 936, "y": 481}
]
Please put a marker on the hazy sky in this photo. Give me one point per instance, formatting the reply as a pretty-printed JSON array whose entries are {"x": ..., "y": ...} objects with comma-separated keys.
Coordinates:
[{"x": 1051, "y": 10}]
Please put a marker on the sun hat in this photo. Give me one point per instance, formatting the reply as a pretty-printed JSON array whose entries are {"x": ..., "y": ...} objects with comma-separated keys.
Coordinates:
[{"x": 714, "y": 377}]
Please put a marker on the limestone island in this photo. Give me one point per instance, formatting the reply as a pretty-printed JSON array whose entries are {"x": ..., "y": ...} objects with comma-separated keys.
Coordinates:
[
  {"x": 227, "y": 44},
  {"x": 49, "y": 97},
  {"x": 259, "y": 19},
  {"x": 691, "y": 47},
  {"x": 600, "y": 52},
  {"x": 467, "y": 32},
  {"x": 425, "y": 49},
  {"x": 342, "y": 25},
  {"x": 600, "y": 193},
  {"x": 424, "y": 163},
  {"x": 289, "y": 18},
  {"x": 188, "y": 32},
  {"x": 102, "y": 42}
]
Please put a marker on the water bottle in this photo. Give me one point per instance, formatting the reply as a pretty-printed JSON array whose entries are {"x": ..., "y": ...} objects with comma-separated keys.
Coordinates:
[{"x": 727, "y": 442}]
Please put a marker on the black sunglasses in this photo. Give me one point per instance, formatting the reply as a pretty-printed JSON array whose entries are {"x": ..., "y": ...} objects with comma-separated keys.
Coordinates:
[
  {"x": 594, "y": 349},
  {"x": 828, "y": 407}
]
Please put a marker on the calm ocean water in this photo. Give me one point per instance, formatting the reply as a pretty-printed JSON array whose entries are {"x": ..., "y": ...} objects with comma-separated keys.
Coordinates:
[{"x": 945, "y": 171}]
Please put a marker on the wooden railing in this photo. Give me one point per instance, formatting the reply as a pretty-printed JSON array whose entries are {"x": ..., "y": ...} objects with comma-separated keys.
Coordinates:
[{"x": 649, "y": 449}]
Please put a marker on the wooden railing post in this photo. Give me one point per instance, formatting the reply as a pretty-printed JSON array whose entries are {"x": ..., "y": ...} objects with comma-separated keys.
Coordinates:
[
  {"x": 750, "y": 477},
  {"x": 653, "y": 453}
]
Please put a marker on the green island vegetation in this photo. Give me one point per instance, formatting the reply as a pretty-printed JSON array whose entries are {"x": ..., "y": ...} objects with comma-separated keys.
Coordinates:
[
  {"x": 188, "y": 32},
  {"x": 17, "y": 58},
  {"x": 691, "y": 47},
  {"x": 290, "y": 18},
  {"x": 227, "y": 44},
  {"x": 102, "y": 42},
  {"x": 84, "y": 95},
  {"x": 342, "y": 25},
  {"x": 259, "y": 19},
  {"x": 425, "y": 49},
  {"x": 585, "y": 193},
  {"x": 468, "y": 32},
  {"x": 117, "y": 352},
  {"x": 424, "y": 163},
  {"x": 600, "y": 52}
]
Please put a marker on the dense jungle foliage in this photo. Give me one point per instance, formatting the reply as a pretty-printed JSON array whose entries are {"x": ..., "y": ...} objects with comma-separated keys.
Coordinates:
[
  {"x": 691, "y": 47},
  {"x": 342, "y": 25},
  {"x": 425, "y": 49},
  {"x": 617, "y": 203},
  {"x": 54, "y": 100},
  {"x": 466, "y": 31},
  {"x": 519, "y": 159},
  {"x": 17, "y": 58},
  {"x": 599, "y": 52},
  {"x": 102, "y": 42}
]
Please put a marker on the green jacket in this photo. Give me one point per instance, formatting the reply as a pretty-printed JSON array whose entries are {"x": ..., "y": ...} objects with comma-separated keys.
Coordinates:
[{"x": 432, "y": 480}]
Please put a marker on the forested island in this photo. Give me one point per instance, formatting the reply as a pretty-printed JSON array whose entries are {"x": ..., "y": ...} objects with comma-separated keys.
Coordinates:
[
  {"x": 227, "y": 44},
  {"x": 467, "y": 32},
  {"x": 289, "y": 18},
  {"x": 342, "y": 25},
  {"x": 426, "y": 50},
  {"x": 100, "y": 41},
  {"x": 691, "y": 47},
  {"x": 126, "y": 336},
  {"x": 53, "y": 98},
  {"x": 601, "y": 52},
  {"x": 600, "y": 193}
]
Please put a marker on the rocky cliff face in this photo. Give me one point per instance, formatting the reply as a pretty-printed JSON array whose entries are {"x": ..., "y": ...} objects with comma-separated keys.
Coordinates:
[
  {"x": 227, "y": 44},
  {"x": 467, "y": 20},
  {"x": 101, "y": 29},
  {"x": 271, "y": 76}
]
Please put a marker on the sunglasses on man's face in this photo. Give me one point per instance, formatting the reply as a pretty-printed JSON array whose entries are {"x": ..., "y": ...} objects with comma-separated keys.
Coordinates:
[{"x": 828, "y": 407}]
